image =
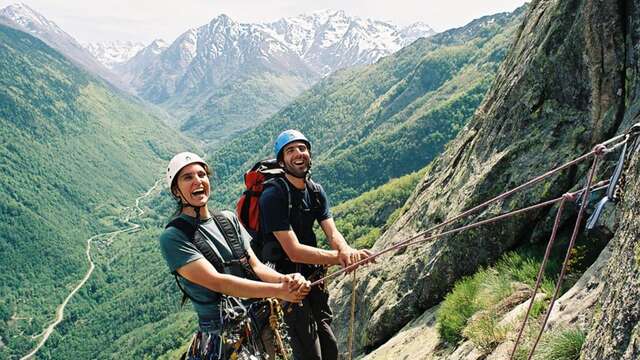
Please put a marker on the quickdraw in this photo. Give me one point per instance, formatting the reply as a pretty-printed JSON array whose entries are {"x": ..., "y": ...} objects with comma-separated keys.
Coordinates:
[{"x": 618, "y": 178}]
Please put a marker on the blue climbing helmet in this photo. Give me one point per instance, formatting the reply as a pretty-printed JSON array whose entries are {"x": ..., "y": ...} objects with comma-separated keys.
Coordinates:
[{"x": 287, "y": 137}]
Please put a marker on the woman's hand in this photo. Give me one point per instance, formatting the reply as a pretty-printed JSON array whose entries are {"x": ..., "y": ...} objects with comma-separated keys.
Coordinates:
[
  {"x": 295, "y": 281},
  {"x": 297, "y": 287}
]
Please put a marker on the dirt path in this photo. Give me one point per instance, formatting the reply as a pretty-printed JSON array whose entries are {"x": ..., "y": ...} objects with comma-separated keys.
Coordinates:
[{"x": 135, "y": 211}]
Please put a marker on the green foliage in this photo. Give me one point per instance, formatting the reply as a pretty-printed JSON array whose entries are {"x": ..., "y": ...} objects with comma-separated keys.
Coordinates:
[
  {"x": 362, "y": 220},
  {"x": 485, "y": 332},
  {"x": 457, "y": 307},
  {"x": 75, "y": 152},
  {"x": 373, "y": 123},
  {"x": 238, "y": 105},
  {"x": 559, "y": 344},
  {"x": 484, "y": 290}
]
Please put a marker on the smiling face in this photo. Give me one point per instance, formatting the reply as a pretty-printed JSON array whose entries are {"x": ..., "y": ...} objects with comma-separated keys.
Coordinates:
[
  {"x": 296, "y": 159},
  {"x": 192, "y": 185}
]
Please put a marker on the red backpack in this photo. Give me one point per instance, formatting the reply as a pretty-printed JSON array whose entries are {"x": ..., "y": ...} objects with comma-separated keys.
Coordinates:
[
  {"x": 263, "y": 173},
  {"x": 248, "y": 207}
]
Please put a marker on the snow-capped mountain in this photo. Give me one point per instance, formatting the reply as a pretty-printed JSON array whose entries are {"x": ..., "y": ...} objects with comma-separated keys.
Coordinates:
[
  {"x": 24, "y": 18},
  {"x": 140, "y": 60},
  {"x": 413, "y": 32},
  {"x": 329, "y": 40},
  {"x": 309, "y": 45},
  {"x": 225, "y": 76},
  {"x": 114, "y": 52},
  {"x": 208, "y": 56}
]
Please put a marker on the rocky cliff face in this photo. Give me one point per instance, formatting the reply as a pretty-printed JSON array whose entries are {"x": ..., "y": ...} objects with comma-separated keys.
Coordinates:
[
  {"x": 615, "y": 333},
  {"x": 564, "y": 87}
]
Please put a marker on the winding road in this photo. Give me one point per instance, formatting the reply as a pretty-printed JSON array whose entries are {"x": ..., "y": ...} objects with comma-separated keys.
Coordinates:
[{"x": 134, "y": 211}]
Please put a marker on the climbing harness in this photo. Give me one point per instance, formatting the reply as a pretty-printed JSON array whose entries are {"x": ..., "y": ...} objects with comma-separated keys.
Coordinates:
[
  {"x": 241, "y": 321},
  {"x": 630, "y": 145}
]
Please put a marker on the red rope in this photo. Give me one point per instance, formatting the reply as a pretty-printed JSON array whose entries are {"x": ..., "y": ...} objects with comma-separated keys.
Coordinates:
[
  {"x": 547, "y": 252},
  {"x": 412, "y": 240},
  {"x": 574, "y": 236},
  {"x": 600, "y": 148}
]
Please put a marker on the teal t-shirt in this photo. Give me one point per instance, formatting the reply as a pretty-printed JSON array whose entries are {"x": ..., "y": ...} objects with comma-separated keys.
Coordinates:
[{"x": 178, "y": 251}]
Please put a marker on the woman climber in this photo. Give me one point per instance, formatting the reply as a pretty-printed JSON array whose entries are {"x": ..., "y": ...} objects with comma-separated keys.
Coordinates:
[{"x": 214, "y": 265}]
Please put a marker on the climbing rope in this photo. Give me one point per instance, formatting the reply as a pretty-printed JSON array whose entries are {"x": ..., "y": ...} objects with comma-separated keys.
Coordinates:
[
  {"x": 354, "y": 281},
  {"x": 423, "y": 236},
  {"x": 274, "y": 322},
  {"x": 574, "y": 236},
  {"x": 547, "y": 253},
  {"x": 597, "y": 153}
]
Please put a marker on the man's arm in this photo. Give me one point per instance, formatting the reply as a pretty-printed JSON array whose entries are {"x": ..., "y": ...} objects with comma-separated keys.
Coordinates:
[
  {"x": 300, "y": 253},
  {"x": 334, "y": 237},
  {"x": 268, "y": 274}
]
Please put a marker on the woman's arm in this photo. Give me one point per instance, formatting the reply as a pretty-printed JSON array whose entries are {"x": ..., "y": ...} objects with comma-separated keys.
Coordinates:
[{"x": 201, "y": 272}]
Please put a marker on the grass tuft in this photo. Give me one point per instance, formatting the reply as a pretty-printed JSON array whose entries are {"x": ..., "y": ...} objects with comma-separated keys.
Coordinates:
[
  {"x": 485, "y": 290},
  {"x": 485, "y": 331},
  {"x": 561, "y": 345}
]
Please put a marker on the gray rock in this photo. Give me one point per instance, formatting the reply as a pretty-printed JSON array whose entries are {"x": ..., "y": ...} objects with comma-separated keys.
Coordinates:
[{"x": 553, "y": 100}]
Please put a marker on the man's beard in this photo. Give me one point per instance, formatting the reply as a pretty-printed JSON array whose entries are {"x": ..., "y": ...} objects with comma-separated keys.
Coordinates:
[{"x": 295, "y": 171}]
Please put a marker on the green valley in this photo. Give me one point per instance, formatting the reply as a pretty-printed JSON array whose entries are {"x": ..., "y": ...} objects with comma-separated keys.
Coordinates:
[
  {"x": 91, "y": 150},
  {"x": 75, "y": 152}
]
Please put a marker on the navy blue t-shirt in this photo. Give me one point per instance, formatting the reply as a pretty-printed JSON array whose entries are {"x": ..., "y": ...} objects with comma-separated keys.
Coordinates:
[{"x": 305, "y": 210}]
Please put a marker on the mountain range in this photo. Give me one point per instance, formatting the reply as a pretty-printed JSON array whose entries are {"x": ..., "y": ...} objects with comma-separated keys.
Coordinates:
[
  {"x": 129, "y": 307},
  {"x": 225, "y": 77},
  {"x": 370, "y": 124}
]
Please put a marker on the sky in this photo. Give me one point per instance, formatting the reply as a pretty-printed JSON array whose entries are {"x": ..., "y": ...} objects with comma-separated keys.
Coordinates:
[{"x": 146, "y": 20}]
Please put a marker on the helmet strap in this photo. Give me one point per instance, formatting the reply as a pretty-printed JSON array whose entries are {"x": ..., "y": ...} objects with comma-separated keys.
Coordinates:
[{"x": 185, "y": 204}]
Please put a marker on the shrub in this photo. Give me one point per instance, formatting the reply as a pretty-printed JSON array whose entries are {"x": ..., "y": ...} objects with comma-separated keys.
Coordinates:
[
  {"x": 561, "y": 345},
  {"x": 485, "y": 331},
  {"x": 457, "y": 307}
]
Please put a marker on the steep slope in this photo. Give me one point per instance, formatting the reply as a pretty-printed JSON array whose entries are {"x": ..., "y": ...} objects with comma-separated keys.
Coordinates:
[
  {"x": 74, "y": 154},
  {"x": 559, "y": 92},
  {"x": 24, "y": 18},
  {"x": 370, "y": 124}
]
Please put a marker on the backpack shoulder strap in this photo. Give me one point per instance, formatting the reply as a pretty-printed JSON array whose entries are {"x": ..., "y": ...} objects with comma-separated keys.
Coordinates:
[
  {"x": 315, "y": 192},
  {"x": 196, "y": 238},
  {"x": 198, "y": 241},
  {"x": 281, "y": 183},
  {"x": 232, "y": 237},
  {"x": 182, "y": 225}
]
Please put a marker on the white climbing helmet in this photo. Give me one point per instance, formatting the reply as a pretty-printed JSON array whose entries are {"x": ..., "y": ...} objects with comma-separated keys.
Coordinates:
[{"x": 179, "y": 161}]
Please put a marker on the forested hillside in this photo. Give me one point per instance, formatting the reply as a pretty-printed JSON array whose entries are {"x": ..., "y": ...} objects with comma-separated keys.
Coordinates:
[
  {"x": 75, "y": 153},
  {"x": 363, "y": 219},
  {"x": 370, "y": 124}
]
